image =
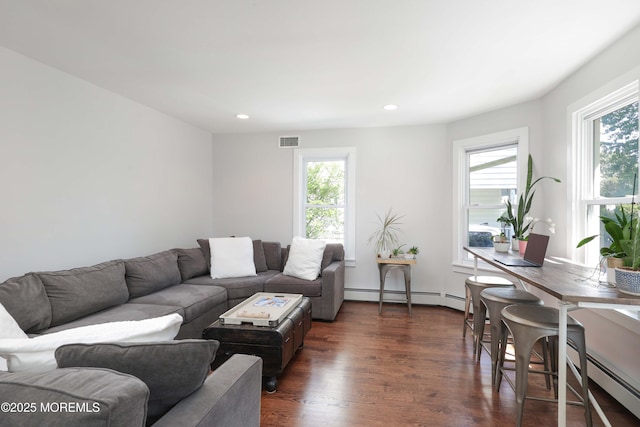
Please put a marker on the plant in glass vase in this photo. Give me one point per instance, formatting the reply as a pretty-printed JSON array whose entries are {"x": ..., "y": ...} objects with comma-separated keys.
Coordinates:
[{"x": 520, "y": 219}]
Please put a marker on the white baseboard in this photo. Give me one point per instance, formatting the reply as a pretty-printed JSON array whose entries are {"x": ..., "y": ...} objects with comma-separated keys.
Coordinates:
[{"x": 372, "y": 295}]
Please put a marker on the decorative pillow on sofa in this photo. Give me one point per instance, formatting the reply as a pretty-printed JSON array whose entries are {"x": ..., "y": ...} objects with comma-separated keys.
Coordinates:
[
  {"x": 9, "y": 328},
  {"x": 304, "y": 258},
  {"x": 231, "y": 257},
  {"x": 26, "y": 291},
  {"x": 36, "y": 354},
  {"x": 172, "y": 370},
  {"x": 259, "y": 256}
]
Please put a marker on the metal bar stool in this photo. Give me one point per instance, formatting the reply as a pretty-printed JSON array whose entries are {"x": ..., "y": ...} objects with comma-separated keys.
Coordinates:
[
  {"x": 473, "y": 286},
  {"x": 495, "y": 299},
  {"x": 528, "y": 324}
]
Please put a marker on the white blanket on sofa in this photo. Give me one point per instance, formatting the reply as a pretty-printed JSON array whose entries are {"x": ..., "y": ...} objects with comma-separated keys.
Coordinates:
[{"x": 37, "y": 354}]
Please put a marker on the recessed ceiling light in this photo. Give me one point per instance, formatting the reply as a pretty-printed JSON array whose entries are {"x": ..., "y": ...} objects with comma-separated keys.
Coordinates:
[
  {"x": 390, "y": 107},
  {"x": 242, "y": 116}
]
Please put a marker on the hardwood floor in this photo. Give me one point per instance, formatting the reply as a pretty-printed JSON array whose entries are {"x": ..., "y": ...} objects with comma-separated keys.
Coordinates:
[{"x": 393, "y": 370}]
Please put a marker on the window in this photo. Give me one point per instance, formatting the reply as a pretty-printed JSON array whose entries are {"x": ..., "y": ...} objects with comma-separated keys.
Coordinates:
[
  {"x": 485, "y": 176},
  {"x": 605, "y": 142},
  {"x": 324, "y": 197}
]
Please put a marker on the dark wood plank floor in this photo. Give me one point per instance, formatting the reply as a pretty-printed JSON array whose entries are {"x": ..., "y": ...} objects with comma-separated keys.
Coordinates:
[{"x": 392, "y": 370}]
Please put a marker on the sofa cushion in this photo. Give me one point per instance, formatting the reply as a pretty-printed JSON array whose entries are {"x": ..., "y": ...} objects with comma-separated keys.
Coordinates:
[
  {"x": 239, "y": 287},
  {"x": 104, "y": 398},
  {"x": 333, "y": 252},
  {"x": 26, "y": 291},
  {"x": 78, "y": 292},
  {"x": 259, "y": 258},
  {"x": 172, "y": 370},
  {"x": 148, "y": 274},
  {"x": 273, "y": 255},
  {"x": 282, "y": 283},
  {"x": 191, "y": 263},
  {"x": 231, "y": 257},
  {"x": 194, "y": 300},
  {"x": 37, "y": 354},
  {"x": 305, "y": 258}
]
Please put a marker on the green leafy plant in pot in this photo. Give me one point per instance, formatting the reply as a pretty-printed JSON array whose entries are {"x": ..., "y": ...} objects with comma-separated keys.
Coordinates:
[
  {"x": 618, "y": 228},
  {"x": 628, "y": 276},
  {"x": 520, "y": 220}
]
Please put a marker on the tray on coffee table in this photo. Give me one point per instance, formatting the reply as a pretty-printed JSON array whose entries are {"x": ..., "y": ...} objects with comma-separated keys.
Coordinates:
[{"x": 262, "y": 309}]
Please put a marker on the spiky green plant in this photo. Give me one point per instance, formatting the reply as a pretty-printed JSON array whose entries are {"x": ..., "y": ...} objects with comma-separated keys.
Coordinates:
[
  {"x": 386, "y": 236},
  {"x": 519, "y": 219}
]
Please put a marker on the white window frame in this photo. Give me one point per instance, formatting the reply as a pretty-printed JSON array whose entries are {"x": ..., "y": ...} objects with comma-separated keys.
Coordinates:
[
  {"x": 348, "y": 154},
  {"x": 581, "y": 160},
  {"x": 461, "y": 147}
]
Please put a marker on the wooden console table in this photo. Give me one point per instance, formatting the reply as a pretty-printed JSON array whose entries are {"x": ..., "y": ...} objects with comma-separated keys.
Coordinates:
[{"x": 404, "y": 265}]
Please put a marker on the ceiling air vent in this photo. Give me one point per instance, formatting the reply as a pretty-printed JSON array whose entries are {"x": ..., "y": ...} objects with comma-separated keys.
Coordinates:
[{"x": 289, "y": 141}]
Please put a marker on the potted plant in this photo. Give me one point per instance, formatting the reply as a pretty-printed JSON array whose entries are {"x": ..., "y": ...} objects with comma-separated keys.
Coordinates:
[
  {"x": 618, "y": 229},
  {"x": 501, "y": 243},
  {"x": 412, "y": 252},
  {"x": 628, "y": 276},
  {"x": 397, "y": 252},
  {"x": 386, "y": 236},
  {"x": 520, "y": 220}
]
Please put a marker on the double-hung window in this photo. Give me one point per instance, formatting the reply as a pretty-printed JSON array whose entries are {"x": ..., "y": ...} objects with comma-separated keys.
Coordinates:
[
  {"x": 324, "y": 196},
  {"x": 605, "y": 165},
  {"x": 486, "y": 175}
]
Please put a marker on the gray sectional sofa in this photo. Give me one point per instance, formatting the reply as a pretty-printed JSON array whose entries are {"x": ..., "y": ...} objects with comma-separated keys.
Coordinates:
[{"x": 173, "y": 281}]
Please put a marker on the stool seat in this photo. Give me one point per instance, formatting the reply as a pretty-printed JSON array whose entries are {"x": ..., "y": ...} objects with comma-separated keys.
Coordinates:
[
  {"x": 473, "y": 286},
  {"x": 546, "y": 318},
  {"x": 495, "y": 299},
  {"x": 528, "y": 324}
]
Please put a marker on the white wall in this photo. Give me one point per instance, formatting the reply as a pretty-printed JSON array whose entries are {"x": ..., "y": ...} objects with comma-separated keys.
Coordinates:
[
  {"x": 399, "y": 167},
  {"x": 89, "y": 176}
]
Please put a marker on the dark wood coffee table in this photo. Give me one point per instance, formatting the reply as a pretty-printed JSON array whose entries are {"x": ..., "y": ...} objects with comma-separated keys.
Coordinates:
[{"x": 276, "y": 345}]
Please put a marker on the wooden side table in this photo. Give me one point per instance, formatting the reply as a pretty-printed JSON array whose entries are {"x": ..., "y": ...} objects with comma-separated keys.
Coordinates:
[{"x": 404, "y": 265}]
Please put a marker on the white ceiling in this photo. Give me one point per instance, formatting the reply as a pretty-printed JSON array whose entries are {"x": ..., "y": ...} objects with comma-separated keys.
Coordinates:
[{"x": 304, "y": 64}]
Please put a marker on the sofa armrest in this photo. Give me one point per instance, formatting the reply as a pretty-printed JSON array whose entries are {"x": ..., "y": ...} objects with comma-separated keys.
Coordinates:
[
  {"x": 230, "y": 396},
  {"x": 333, "y": 285}
]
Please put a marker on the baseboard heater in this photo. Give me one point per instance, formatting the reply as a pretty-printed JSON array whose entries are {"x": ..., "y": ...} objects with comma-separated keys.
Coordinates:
[{"x": 615, "y": 377}]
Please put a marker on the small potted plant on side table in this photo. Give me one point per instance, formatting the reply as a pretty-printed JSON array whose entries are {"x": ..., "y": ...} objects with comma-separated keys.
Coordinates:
[{"x": 412, "y": 252}]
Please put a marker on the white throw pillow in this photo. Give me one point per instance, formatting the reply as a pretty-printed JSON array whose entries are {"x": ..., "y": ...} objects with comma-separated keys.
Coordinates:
[
  {"x": 305, "y": 258},
  {"x": 37, "y": 354},
  {"x": 231, "y": 257},
  {"x": 9, "y": 328}
]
